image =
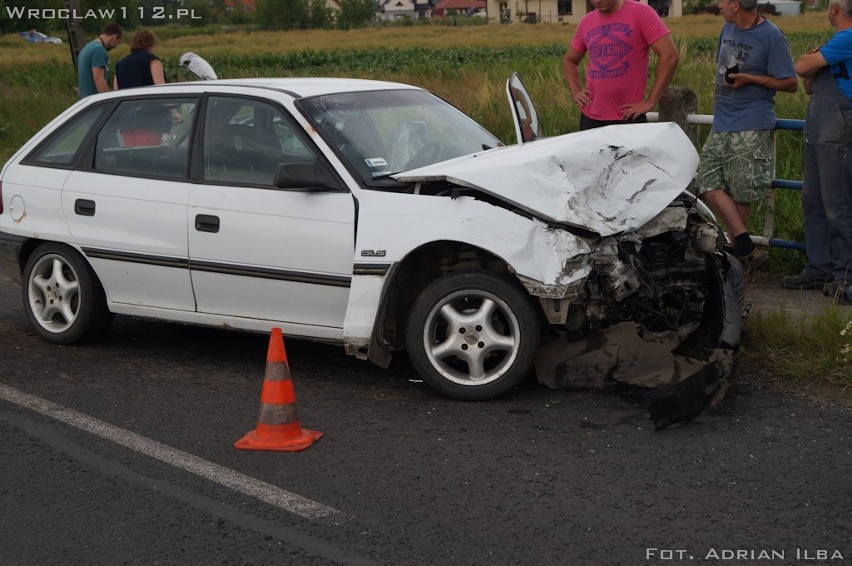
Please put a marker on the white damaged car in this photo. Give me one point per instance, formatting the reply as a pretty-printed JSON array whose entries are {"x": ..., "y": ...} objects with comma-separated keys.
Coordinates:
[{"x": 378, "y": 216}]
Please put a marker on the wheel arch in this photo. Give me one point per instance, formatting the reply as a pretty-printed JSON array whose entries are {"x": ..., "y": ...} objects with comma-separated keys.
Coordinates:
[
  {"x": 87, "y": 315},
  {"x": 29, "y": 247},
  {"x": 420, "y": 267},
  {"x": 19, "y": 254}
]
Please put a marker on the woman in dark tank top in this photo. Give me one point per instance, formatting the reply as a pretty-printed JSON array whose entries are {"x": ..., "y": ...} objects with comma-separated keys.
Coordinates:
[{"x": 141, "y": 67}]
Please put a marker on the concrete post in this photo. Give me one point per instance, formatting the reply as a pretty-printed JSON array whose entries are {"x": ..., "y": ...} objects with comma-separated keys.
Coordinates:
[{"x": 675, "y": 105}]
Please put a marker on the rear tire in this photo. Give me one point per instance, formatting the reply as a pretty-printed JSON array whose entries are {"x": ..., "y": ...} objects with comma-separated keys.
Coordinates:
[
  {"x": 63, "y": 299},
  {"x": 472, "y": 335}
]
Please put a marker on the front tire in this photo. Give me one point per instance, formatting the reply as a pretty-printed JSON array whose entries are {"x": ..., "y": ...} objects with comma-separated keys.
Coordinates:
[
  {"x": 472, "y": 335},
  {"x": 63, "y": 299}
]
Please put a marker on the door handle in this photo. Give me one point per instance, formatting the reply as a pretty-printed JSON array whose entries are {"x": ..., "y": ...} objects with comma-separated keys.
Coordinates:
[
  {"x": 207, "y": 223},
  {"x": 84, "y": 207}
]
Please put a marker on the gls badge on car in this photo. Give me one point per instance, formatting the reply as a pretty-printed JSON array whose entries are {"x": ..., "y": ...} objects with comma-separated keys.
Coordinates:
[{"x": 373, "y": 253}]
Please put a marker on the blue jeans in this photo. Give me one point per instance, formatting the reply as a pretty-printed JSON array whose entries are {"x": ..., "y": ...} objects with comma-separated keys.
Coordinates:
[{"x": 827, "y": 186}]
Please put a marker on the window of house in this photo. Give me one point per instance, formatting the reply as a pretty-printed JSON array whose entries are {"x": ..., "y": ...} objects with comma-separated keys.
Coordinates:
[
  {"x": 148, "y": 137},
  {"x": 563, "y": 7},
  {"x": 505, "y": 13}
]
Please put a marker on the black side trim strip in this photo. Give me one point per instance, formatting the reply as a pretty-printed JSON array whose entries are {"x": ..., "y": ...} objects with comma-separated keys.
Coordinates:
[
  {"x": 180, "y": 262},
  {"x": 371, "y": 268},
  {"x": 266, "y": 273},
  {"x": 211, "y": 267}
]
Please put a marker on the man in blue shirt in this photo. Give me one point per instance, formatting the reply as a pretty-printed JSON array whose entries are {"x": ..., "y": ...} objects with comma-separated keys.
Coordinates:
[
  {"x": 827, "y": 187},
  {"x": 753, "y": 63},
  {"x": 93, "y": 61}
]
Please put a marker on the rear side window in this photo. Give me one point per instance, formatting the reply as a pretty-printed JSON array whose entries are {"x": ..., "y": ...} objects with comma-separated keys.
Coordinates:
[
  {"x": 147, "y": 137},
  {"x": 63, "y": 145}
]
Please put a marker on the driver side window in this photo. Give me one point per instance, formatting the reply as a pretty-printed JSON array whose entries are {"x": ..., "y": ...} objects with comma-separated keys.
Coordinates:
[{"x": 245, "y": 140}]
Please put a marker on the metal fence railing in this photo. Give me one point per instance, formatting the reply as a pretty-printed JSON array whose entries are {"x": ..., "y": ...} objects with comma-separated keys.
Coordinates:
[
  {"x": 768, "y": 225},
  {"x": 769, "y": 217}
]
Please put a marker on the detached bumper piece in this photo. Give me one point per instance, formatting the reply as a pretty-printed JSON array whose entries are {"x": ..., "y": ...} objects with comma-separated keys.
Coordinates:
[
  {"x": 683, "y": 401},
  {"x": 685, "y": 370}
]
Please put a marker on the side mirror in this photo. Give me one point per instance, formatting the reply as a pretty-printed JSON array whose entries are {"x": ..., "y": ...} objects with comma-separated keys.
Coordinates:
[{"x": 304, "y": 175}]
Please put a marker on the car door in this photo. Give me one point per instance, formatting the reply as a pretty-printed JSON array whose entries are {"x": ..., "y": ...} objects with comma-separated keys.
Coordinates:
[
  {"x": 524, "y": 114},
  {"x": 126, "y": 206},
  {"x": 258, "y": 251}
]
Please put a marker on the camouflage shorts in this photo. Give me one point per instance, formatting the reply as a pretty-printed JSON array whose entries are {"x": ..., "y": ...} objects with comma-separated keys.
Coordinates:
[{"x": 741, "y": 163}]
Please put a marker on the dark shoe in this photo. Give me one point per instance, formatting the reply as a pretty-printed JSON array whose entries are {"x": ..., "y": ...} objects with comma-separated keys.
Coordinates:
[
  {"x": 753, "y": 260},
  {"x": 802, "y": 281}
]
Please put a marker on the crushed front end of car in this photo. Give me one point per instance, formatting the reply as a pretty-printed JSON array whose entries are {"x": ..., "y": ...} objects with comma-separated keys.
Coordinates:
[
  {"x": 645, "y": 296},
  {"x": 660, "y": 309}
]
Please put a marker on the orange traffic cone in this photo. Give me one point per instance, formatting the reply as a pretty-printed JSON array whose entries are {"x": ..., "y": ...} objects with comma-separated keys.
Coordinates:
[{"x": 278, "y": 425}]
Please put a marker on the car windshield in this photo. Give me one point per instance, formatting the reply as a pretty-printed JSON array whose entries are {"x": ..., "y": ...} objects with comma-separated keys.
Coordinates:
[{"x": 379, "y": 133}]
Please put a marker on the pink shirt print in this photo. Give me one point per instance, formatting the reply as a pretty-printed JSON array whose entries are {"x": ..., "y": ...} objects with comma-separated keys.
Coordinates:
[{"x": 617, "y": 46}]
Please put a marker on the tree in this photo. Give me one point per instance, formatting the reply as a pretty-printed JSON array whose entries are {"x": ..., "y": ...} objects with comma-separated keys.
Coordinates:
[
  {"x": 283, "y": 14},
  {"x": 320, "y": 16},
  {"x": 356, "y": 13}
]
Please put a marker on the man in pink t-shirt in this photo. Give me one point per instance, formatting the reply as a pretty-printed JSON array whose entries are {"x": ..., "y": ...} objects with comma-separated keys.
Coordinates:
[{"x": 617, "y": 36}]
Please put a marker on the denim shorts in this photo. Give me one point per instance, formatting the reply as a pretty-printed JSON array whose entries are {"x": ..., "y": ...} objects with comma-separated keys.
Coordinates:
[{"x": 741, "y": 163}]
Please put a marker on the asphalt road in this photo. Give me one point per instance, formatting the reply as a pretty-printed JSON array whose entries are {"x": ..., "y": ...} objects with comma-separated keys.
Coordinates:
[{"x": 121, "y": 452}]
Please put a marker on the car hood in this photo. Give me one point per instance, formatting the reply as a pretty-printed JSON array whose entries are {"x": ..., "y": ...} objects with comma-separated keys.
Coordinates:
[{"x": 607, "y": 180}]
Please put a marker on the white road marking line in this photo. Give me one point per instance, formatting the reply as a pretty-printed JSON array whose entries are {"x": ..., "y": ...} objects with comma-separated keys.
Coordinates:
[{"x": 242, "y": 483}]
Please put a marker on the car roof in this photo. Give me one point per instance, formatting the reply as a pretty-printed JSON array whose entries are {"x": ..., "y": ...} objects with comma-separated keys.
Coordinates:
[{"x": 298, "y": 87}]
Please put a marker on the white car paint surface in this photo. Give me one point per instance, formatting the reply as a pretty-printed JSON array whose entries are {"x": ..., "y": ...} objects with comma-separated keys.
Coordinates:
[{"x": 608, "y": 180}]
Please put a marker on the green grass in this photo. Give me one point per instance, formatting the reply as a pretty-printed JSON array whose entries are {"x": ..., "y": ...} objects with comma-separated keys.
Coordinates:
[
  {"x": 32, "y": 98},
  {"x": 803, "y": 348}
]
